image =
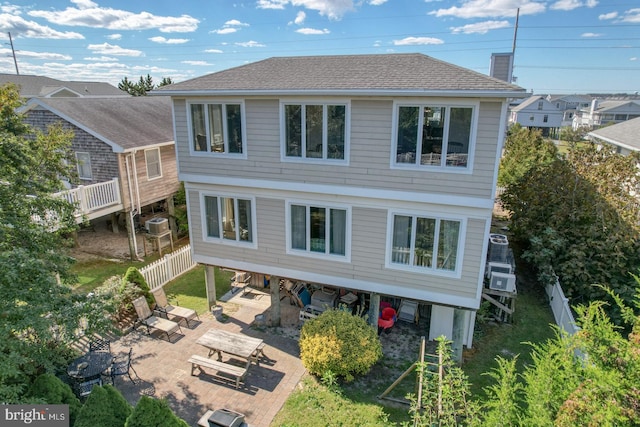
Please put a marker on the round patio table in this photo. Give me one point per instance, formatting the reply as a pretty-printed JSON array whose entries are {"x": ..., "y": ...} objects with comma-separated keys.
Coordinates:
[{"x": 91, "y": 365}]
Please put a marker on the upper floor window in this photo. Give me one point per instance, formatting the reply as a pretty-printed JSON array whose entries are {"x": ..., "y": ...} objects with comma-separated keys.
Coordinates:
[
  {"x": 424, "y": 243},
  {"x": 152, "y": 159},
  {"x": 318, "y": 230},
  {"x": 430, "y": 135},
  {"x": 540, "y": 105},
  {"x": 314, "y": 131},
  {"x": 84, "y": 165},
  {"x": 545, "y": 118},
  {"x": 217, "y": 128},
  {"x": 228, "y": 219}
]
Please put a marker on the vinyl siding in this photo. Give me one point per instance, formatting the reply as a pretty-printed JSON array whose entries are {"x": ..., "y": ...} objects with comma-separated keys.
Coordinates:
[
  {"x": 366, "y": 271},
  {"x": 369, "y": 159}
]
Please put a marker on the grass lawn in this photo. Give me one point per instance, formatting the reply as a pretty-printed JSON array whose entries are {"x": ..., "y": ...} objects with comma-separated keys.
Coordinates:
[
  {"x": 92, "y": 274},
  {"x": 189, "y": 289},
  {"x": 531, "y": 323}
]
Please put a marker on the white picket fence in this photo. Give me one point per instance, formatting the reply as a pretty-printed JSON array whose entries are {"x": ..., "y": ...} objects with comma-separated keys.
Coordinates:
[
  {"x": 167, "y": 268},
  {"x": 561, "y": 310}
]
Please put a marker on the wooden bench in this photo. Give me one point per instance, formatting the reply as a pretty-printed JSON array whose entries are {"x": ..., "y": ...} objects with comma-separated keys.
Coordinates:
[{"x": 203, "y": 362}]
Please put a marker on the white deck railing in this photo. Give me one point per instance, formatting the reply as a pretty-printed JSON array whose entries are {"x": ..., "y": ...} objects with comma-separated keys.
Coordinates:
[
  {"x": 167, "y": 268},
  {"x": 93, "y": 197}
]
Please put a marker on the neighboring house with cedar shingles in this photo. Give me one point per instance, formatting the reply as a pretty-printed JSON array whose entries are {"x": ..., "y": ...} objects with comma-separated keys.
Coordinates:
[
  {"x": 125, "y": 155},
  {"x": 366, "y": 174}
]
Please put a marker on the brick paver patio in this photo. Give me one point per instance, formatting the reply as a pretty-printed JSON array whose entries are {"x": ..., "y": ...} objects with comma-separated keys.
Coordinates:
[{"x": 164, "y": 372}]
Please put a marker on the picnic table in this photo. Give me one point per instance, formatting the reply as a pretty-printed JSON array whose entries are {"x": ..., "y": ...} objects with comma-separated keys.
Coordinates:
[{"x": 242, "y": 346}]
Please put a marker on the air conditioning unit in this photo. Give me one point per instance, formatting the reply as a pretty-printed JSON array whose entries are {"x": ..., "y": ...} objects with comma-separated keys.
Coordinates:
[
  {"x": 502, "y": 282},
  {"x": 157, "y": 225},
  {"x": 498, "y": 267},
  {"x": 498, "y": 248}
]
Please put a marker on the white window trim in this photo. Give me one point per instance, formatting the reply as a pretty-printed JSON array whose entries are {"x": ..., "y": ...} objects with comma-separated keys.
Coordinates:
[
  {"x": 90, "y": 178},
  {"x": 323, "y": 161},
  {"x": 221, "y": 240},
  {"x": 475, "y": 107},
  {"x": 146, "y": 163},
  {"x": 317, "y": 255},
  {"x": 223, "y": 102},
  {"x": 456, "y": 273}
]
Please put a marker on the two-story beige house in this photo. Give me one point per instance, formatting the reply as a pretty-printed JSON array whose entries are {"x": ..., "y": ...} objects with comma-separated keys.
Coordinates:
[{"x": 370, "y": 174}]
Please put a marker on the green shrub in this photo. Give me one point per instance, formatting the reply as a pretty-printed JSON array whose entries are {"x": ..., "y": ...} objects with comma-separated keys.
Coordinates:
[
  {"x": 52, "y": 390},
  {"x": 105, "y": 407},
  {"x": 134, "y": 276},
  {"x": 154, "y": 412},
  {"x": 340, "y": 343}
]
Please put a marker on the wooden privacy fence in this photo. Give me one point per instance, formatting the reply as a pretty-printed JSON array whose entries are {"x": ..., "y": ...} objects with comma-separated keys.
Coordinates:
[{"x": 167, "y": 268}]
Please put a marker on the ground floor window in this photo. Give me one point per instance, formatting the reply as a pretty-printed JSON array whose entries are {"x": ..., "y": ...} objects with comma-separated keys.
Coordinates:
[
  {"x": 228, "y": 218},
  {"x": 318, "y": 229}
]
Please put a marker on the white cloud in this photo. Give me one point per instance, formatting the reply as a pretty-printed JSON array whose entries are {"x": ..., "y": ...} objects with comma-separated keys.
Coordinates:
[
  {"x": 480, "y": 27},
  {"x": 412, "y": 41},
  {"x": 272, "y": 4},
  {"x": 250, "y": 43},
  {"x": 591, "y": 35},
  {"x": 333, "y": 9},
  {"x": 300, "y": 17},
  {"x": 235, "y": 23},
  {"x": 491, "y": 9},
  {"x": 224, "y": 31},
  {"x": 631, "y": 15},
  {"x": 606, "y": 16},
  {"x": 89, "y": 14},
  {"x": 572, "y": 4},
  {"x": 377, "y": 2},
  {"x": 20, "y": 27},
  {"x": 213, "y": 51},
  {"x": 229, "y": 27},
  {"x": 109, "y": 49},
  {"x": 114, "y": 36},
  {"x": 162, "y": 40},
  {"x": 101, "y": 58},
  {"x": 633, "y": 58},
  {"x": 312, "y": 31},
  {"x": 195, "y": 62},
  {"x": 35, "y": 55},
  {"x": 11, "y": 9}
]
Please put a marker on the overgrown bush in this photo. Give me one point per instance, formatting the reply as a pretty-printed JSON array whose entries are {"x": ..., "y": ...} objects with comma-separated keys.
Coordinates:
[
  {"x": 153, "y": 412},
  {"x": 50, "y": 389},
  {"x": 118, "y": 296},
  {"x": 134, "y": 276},
  {"x": 105, "y": 407},
  {"x": 340, "y": 343}
]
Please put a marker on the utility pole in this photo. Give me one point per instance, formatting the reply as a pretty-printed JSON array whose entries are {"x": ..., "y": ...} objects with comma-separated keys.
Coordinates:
[
  {"x": 15, "y": 61},
  {"x": 515, "y": 33}
]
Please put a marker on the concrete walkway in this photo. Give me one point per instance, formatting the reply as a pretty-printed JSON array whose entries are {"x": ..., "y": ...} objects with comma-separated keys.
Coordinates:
[{"x": 163, "y": 370}]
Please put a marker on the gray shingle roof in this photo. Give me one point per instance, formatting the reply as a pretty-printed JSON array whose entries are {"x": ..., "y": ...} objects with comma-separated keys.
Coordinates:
[
  {"x": 626, "y": 134},
  {"x": 35, "y": 86},
  {"x": 124, "y": 123},
  {"x": 410, "y": 73}
]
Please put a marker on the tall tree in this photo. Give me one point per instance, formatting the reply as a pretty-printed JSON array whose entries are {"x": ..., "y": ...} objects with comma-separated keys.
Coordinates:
[
  {"x": 142, "y": 86},
  {"x": 39, "y": 313},
  {"x": 577, "y": 217}
]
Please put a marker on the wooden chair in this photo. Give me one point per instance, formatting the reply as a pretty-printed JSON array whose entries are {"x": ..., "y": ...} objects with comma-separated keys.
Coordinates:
[
  {"x": 173, "y": 312},
  {"x": 147, "y": 318}
]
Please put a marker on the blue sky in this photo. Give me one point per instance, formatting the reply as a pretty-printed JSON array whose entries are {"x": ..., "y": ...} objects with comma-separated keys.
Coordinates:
[{"x": 563, "y": 46}]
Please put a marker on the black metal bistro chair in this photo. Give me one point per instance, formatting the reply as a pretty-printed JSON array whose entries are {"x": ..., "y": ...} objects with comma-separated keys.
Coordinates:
[
  {"x": 122, "y": 366},
  {"x": 99, "y": 344}
]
